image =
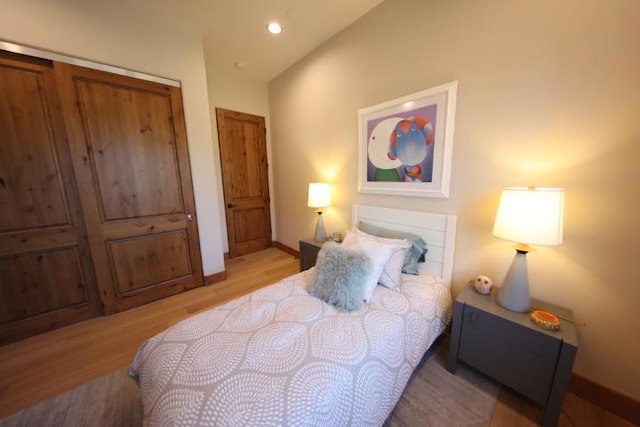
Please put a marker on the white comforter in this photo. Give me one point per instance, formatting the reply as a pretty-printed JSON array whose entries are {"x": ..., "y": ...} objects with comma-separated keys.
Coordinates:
[{"x": 279, "y": 357}]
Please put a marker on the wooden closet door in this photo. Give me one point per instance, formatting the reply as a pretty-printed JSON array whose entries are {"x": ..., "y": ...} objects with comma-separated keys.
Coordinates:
[
  {"x": 129, "y": 149},
  {"x": 46, "y": 276}
]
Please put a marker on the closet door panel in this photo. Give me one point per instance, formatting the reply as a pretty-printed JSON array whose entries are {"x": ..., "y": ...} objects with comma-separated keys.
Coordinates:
[
  {"x": 46, "y": 275},
  {"x": 141, "y": 262},
  {"x": 31, "y": 189},
  {"x": 35, "y": 280},
  {"x": 135, "y": 162},
  {"x": 129, "y": 150}
]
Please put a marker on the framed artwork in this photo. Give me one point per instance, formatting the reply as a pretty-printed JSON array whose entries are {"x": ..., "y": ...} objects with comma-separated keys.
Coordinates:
[{"x": 405, "y": 145}]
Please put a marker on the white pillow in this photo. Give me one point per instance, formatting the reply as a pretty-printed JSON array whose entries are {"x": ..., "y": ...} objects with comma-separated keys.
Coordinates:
[
  {"x": 378, "y": 254},
  {"x": 391, "y": 276}
]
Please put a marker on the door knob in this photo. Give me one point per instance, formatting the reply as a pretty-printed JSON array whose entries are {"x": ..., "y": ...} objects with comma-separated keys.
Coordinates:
[{"x": 189, "y": 217}]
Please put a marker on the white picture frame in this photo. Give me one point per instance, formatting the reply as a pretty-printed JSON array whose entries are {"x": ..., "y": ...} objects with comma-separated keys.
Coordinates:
[{"x": 417, "y": 160}]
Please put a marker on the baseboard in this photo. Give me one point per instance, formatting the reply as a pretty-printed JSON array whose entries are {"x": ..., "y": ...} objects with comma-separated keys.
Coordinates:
[
  {"x": 287, "y": 249},
  {"x": 612, "y": 400},
  {"x": 215, "y": 278},
  {"x": 226, "y": 256}
]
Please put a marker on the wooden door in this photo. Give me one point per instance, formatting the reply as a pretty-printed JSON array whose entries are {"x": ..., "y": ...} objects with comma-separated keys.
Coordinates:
[
  {"x": 129, "y": 149},
  {"x": 46, "y": 275},
  {"x": 243, "y": 153}
]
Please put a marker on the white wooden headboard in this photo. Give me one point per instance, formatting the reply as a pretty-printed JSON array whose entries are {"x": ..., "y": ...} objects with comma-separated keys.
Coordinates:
[{"x": 438, "y": 230}]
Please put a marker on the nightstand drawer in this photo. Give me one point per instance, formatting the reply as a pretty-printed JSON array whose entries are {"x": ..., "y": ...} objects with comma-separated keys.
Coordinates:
[{"x": 520, "y": 358}]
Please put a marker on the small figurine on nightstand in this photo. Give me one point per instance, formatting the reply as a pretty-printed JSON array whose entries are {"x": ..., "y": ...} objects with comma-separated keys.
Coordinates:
[{"x": 483, "y": 284}]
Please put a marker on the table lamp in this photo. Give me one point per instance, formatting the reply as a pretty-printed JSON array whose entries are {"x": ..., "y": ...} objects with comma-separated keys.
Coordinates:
[
  {"x": 526, "y": 216},
  {"x": 319, "y": 197}
]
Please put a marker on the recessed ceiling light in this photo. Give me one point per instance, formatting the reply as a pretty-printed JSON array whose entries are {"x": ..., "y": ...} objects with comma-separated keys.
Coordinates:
[{"x": 274, "y": 28}]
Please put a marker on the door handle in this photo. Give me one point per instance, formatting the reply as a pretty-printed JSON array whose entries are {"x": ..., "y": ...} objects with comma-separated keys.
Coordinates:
[
  {"x": 231, "y": 205},
  {"x": 189, "y": 217},
  {"x": 474, "y": 317}
]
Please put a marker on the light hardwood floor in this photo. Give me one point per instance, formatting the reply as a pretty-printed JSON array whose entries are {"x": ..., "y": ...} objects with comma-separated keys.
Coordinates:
[{"x": 41, "y": 367}]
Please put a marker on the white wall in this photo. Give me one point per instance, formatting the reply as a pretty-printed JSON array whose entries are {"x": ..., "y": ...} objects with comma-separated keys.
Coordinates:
[
  {"x": 549, "y": 95},
  {"x": 105, "y": 32},
  {"x": 233, "y": 91}
]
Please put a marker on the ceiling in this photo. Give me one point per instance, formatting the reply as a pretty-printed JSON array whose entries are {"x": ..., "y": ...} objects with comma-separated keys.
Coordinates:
[{"x": 235, "y": 30}]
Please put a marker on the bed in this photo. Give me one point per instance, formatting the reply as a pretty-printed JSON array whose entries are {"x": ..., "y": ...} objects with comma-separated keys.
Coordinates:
[{"x": 280, "y": 356}]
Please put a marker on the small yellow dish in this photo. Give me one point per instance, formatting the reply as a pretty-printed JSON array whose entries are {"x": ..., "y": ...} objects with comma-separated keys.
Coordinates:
[{"x": 545, "y": 320}]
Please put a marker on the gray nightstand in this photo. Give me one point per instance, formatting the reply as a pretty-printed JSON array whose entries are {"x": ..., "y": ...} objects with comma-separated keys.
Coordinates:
[
  {"x": 506, "y": 346},
  {"x": 309, "y": 249}
]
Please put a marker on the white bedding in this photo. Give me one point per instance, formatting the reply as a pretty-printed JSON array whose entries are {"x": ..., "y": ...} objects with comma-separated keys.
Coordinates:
[{"x": 279, "y": 357}]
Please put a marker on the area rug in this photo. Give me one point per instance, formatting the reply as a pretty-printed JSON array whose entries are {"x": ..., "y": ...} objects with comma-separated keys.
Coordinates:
[{"x": 433, "y": 397}]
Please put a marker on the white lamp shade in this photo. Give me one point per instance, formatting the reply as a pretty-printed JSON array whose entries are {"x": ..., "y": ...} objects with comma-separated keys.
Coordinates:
[
  {"x": 319, "y": 195},
  {"x": 531, "y": 216}
]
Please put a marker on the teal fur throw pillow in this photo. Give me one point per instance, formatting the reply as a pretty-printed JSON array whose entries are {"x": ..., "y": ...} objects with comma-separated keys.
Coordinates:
[{"x": 339, "y": 276}]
